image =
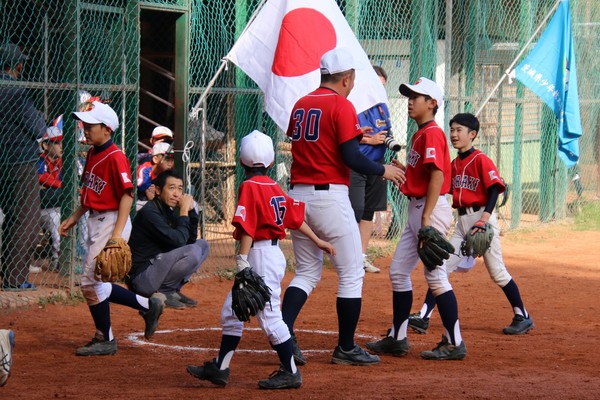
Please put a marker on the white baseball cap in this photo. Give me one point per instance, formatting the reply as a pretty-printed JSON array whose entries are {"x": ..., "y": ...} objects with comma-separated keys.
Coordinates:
[
  {"x": 337, "y": 60},
  {"x": 424, "y": 86},
  {"x": 256, "y": 149},
  {"x": 162, "y": 148},
  {"x": 99, "y": 113},
  {"x": 160, "y": 131}
]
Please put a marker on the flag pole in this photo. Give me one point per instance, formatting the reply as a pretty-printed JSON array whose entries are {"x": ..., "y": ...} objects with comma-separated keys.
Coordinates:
[
  {"x": 224, "y": 60},
  {"x": 523, "y": 49}
]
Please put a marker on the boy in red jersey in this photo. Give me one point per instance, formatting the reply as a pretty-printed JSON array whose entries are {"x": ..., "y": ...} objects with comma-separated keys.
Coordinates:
[
  {"x": 106, "y": 194},
  {"x": 476, "y": 185},
  {"x": 428, "y": 176},
  {"x": 263, "y": 213}
]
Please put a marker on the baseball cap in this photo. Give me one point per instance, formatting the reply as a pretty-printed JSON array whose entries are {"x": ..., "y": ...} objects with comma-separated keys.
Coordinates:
[
  {"x": 53, "y": 134},
  {"x": 99, "y": 113},
  {"x": 256, "y": 149},
  {"x": 11, "y": 55},
  {"x": 162, "y": 148},
  {"x": 161, "y": 131},
  {"x": 337, "y": 60},
  {"x": 424, "y": 86}
]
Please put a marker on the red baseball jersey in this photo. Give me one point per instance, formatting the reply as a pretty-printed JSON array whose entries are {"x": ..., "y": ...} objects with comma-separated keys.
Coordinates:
[
  {"x": 471, "y": 179},
  {"x": 264, "y": 210},
  {"x": 428, "y": 146},
  {"x": 320, "y": 122},
  {"x": 106, "y": 178}
]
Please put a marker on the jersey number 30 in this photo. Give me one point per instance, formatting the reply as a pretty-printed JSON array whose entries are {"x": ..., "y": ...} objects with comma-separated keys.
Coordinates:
[
  {"x": 306, "y": 124},
  {"x": 277, "y": 202}
]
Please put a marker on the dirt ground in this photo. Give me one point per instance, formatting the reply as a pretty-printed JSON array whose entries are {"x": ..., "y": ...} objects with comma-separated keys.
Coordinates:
[{"x": 556, "y": 269}]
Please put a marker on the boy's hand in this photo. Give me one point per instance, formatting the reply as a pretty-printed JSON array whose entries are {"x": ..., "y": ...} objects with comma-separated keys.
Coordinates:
[
  {"x": 151, "y": 192},
  {"x": 394, "y": 174},
  {"x": 326, "y": 247},
  {"x": 66, "y": 225}
]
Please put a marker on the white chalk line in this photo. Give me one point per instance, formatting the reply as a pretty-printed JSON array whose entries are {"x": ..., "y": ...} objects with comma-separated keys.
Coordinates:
[{"x": 137, "y": 339}]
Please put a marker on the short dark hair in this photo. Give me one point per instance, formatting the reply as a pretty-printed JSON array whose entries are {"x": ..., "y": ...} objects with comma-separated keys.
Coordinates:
[
  {"x": 161, "y": 180},
  {"x": 334, "y": 78},
  {"x": 380, "y": 72},
  {"x": 466, "y": 119}
]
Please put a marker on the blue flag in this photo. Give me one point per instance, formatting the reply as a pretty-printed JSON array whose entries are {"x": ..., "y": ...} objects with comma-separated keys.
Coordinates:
[{"x": 549, "y": 71}]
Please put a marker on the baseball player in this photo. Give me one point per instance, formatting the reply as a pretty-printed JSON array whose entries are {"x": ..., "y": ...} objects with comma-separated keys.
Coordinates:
[
  {"x": 325, "y": 138},
  {"x": 427, "y": 181},
  {"x": 263, "y": 213},
  {"x": 476, "y": 185},
  {"x": 106, "y": 194},
  {"x": 161, "y": 159}
]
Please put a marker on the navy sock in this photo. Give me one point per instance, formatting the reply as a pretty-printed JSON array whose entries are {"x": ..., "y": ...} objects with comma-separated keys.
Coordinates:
[
  {"x": 448, "y": 307},
  {"x": 430, "y": 303},
  {"x": 293, "y": 301},
  {"x": 101, "y": 315},
  {"x": 511, "y": 291},
  {"x": 348, "y": 311},
  {"x": 228, "y": 343},
  {"x": 402, "y": 303},
  {"x": 125, "y": 297},
  {"x": 285, "y": 353}
]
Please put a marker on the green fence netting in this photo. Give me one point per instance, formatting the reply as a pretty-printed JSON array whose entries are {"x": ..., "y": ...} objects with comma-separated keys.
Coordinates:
[{"x": 153, "y": 60}]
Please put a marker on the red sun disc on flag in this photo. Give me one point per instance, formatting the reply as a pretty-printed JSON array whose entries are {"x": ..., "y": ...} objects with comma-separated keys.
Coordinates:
[{"x": 305, "y": 36}]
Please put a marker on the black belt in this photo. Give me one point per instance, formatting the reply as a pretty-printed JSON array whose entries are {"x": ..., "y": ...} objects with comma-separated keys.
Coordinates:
[
  {"x": 411, "y": 198},
  {"x": 324, "y": 186},
  {"x": 274, "y": 242},
  {"x": 463, "y": 210}
]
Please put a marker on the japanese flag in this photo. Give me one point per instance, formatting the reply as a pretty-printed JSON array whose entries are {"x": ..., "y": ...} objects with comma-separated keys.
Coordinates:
[{"x": 282, "y": 48}]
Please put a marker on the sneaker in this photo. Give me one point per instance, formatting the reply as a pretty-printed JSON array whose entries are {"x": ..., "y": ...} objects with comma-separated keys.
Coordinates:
[
  {"x": 188, "y": 302},
  {"x": 210, "y": 372},
  {"x": 172, "y": 301},
  {"x": 389, "y": 345},
  {"x": 370, "y": 267},
  {"x": 22, "y": 287},
  {"x": 7, "y": 343},
  {"x": 34, "y": 269},
  {"x": 356, "y": 356},
  {"x": 98, "y": 346},
  {"x": 151, "y": 316},
  {"x": 418, "y": 324},
  {"x": 299, "y": 358},
  {"x": 519, "y": 325},
  {"x": 282, "y": 379},
  {"x": 446, "y": 351}
]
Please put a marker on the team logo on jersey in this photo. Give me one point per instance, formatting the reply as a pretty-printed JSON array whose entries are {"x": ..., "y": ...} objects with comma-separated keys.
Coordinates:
[
  {"x": 93, "y": 182},
  {"x": 241, "y": 212},
  {"x": 413, "y": 158},
  {"x": 380, "y": 123},
  {"x": 430, "y": 152},
  {"x": 125, "y": 177},
  {"x": 492, "y": 175},
  {"x": 466, "y": 182}
]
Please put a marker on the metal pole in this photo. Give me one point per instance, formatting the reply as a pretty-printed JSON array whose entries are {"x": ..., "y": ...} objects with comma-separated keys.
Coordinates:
[{"x": 510, "y": 67}]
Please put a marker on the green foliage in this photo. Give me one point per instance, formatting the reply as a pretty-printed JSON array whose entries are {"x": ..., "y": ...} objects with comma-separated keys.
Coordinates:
[
  {"x": 71, "y": 299},
  {"x": 588, "y": 217}
]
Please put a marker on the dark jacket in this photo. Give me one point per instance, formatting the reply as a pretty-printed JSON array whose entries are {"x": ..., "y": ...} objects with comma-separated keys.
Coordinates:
[
  {"x": 157, "y": 229},
  {"x": 21, "y": 124}
]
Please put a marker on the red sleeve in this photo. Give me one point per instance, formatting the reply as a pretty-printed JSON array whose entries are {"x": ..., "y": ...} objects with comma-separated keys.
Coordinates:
[
  {"x": 489, "y": 174},
  {"x": 244, "y": 219},
  {"x": 121, "y": 176},
  {"x": 435, "y": 148},
  {"x": 347, "y": 126},
  {"x": 294, "y": 217}
]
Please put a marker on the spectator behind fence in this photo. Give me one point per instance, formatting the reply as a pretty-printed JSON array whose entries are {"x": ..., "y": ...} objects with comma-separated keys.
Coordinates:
[
  {"x": 21, "y": 125},
  {"x": 162, "y": 159},
  {"x": 164, "y": 243},
  {"x": 159, "y": 134},
  {"x": 50, "y": 178}
]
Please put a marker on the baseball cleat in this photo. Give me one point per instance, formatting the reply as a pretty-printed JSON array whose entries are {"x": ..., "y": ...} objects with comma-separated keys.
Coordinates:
[
  {"x": 7, "y": 343},
  {"x": 282, "y": 379},
  {"x": 418, "y": 324},
  {"x": 389, "y": 345},
  {"x": 299, "y": 358},
  {"x": 210, "y": 372},
  {"x": 151, "y": 316},
  {"x": 98, "y": 346},
  {"x": 446, "y": 351},
  {"x": 356, "y": 356},
  {"x": 189, "y": 302},
  {"x": 173, "y": 301},
  {"x": 519, "y": 325},
  {"x": 370, "y": 267}
]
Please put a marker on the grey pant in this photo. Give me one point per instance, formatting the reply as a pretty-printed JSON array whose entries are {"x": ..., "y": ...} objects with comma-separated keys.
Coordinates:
[{"x": 168, "y": 272}]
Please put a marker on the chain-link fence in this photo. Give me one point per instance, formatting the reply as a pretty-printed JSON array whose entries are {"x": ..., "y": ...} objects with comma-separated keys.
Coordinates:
[{"x": 153, "y": 59}]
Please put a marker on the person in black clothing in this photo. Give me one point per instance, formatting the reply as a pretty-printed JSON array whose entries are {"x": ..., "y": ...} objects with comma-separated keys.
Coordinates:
[{"x": 164, "y": 243}]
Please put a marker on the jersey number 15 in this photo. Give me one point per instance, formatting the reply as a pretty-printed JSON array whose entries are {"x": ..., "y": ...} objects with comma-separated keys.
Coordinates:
[{"x": 306, "y": 124}]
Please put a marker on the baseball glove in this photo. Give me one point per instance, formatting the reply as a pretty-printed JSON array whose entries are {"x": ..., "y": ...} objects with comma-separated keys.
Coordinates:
[
  {"x": 249, "y": 294},
  {"x": 478, "y": 240},
  {"x": 114, "y": 261},
  {"x": 433, "y": 247}
]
